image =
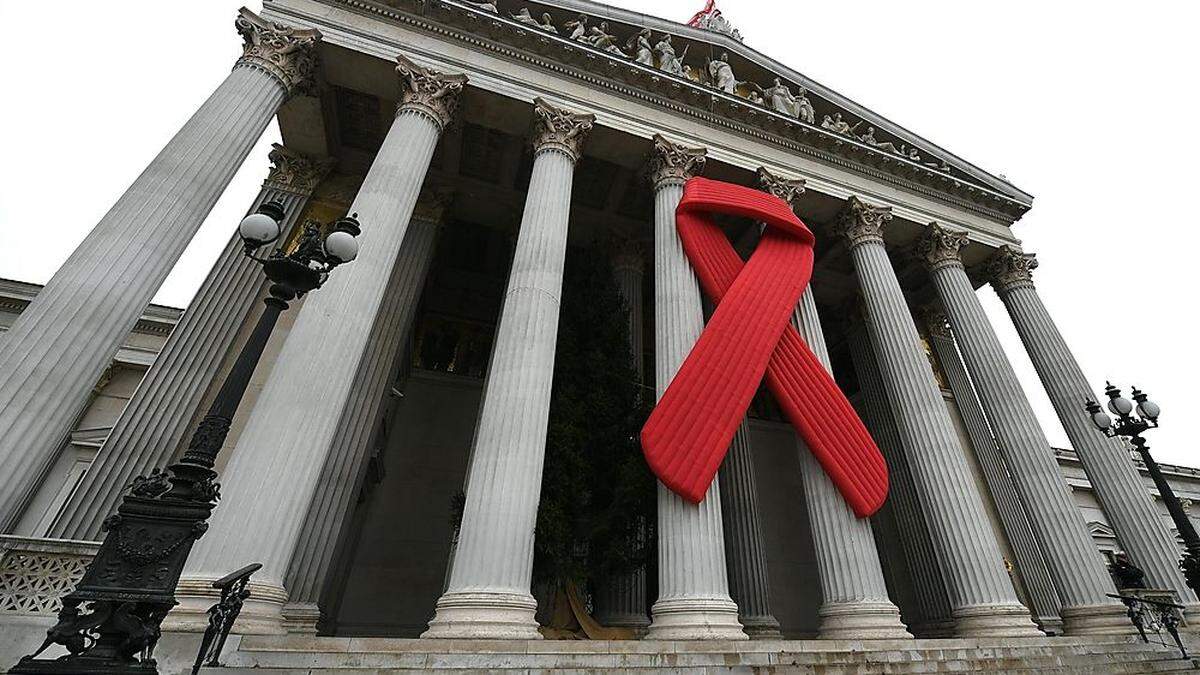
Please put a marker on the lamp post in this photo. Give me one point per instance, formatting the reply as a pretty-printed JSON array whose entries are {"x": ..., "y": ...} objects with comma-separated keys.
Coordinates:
[
  {"x": 1134, "y": 418},
  {"x": 111, "y": 621}
]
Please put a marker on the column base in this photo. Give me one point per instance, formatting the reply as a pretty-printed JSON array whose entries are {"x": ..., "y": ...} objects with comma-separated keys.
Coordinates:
[
  {"x": 1010, "y": 620},
  {"x": 1191, "y": 617},
  {"x": 760, "y": 627},
  {"x": 262, "y": 614},
  {"x": 695, "y": 619},
  {"x": 638, "y": 622},
  {"x": 861, "y": 621},
  {"x": 1105, "y": 619},
  {"x": 939, "y": 628},
  {"x": 301, "y": 618},
  {"x": 484, "y": 615}
]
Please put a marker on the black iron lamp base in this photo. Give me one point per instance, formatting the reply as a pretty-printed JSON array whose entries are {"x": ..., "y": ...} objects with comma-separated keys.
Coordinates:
[{"x": 83, "y": 665}]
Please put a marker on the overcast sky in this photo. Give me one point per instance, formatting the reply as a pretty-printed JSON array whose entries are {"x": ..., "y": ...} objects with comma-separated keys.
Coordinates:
[{"x": 1088, "y": 105}]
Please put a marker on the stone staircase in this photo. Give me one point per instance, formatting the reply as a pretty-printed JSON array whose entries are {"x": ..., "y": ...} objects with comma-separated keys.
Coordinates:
[{"x": 289, "y": 655}]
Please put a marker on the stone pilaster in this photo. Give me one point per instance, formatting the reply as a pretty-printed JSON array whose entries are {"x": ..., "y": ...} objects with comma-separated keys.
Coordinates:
[
  {"x": 745, "y": 558},
  {"x": 489, "y": 591},
  {"x": 60, "y": 345},
  {"x": 1126, "y": 501},
  {"x": 981, "y": 595},
  {"x": 1077, "y": 568},
  {"x": 621, "y": 601},
  {"x": 157, "y": 418},
  {"x": 932, "y": 615},
  {"x": 341, "y": 478},
  {"x": 273, "y": 472},
  {"x": 693, "y": 590},
  {"x": 1043, "y": 597}
]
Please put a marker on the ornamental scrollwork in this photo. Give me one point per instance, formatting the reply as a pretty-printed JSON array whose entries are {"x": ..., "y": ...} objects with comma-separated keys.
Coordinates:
[
  {"x": 560, "y": 129},
  {"x": 939, "y": 247},
  {"x": 428, "y": 91},
  {"x": 787, "y": 189},
  {"x": 861, "y": 223},
  {"x": 294, "y": 172},
  {"x": 284, "y": 52},
  {"x": 1010, "y": 268},
  {"x": 672, "y": 163}
]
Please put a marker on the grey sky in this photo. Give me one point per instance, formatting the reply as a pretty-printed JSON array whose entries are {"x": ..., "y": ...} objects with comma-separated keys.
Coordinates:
[{"x": 1085, "y": 104}]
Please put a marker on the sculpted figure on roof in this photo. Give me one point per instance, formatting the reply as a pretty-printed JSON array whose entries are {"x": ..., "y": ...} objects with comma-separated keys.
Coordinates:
[
  {"x": 664, "y": 52},
  {"x": 639, "y": 44},
  {"x": 782, "y": 100},
  {"x": 722, "y": 74},
  {"x": 578, "y": 28},
  {"x": 546, "y": 23},
  {"x": 599, "y": 38},
  {"x": 838, "y": 126},
  {"x": 485, "y": 6}
]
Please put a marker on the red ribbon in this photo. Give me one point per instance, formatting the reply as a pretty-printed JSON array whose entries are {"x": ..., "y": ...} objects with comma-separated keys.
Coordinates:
[{"x": 749, "y": 336}]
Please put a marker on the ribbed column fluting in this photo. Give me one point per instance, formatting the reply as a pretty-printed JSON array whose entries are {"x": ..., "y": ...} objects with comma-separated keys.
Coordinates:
[
  {"x": 621, "y": 601},
  {"x": 745, "y": 559},
  {"x": 1027, "y": 550},
  {"x": 932, "y": 616},
  {"x": 1127, "y": 503},
  {"x": 341, "y": 476},
  {"x": 273, "y": 472},
  {"x": 489, "y": 591},
  {"x": 854, "y": 597},
  {"x": 693, "y": 589},
  {"x": 982, "y": 597},
  {"x": 154, "y": 424},
  {"x": 1071, "y": 556},
  {"x": 58, "y": 347}
]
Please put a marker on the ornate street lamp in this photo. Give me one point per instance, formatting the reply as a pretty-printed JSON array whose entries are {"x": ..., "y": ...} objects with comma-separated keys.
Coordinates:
[
  {"x": 111, "y": 621},
  {"x": 1133, "y": 418}
]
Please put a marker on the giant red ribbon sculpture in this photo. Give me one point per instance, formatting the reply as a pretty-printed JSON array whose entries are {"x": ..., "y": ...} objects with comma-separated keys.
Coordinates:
[{"x": 688, "y": 433}]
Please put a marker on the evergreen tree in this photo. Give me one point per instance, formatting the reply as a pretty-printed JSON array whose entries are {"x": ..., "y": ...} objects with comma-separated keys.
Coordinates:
[{"x": 598, "y": 496}]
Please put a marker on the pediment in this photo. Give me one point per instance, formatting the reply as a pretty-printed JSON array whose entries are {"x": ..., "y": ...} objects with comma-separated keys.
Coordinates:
[{"x": 837, "y": 130}]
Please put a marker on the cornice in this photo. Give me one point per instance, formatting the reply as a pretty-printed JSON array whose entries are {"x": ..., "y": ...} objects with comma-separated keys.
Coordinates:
[{"x": 478, "y": 28}]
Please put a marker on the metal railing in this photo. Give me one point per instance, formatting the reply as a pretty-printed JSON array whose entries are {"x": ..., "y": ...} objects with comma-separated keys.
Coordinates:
[
  {"x": 1153, "y": 616},
  {"x": 222, "y": 615}
]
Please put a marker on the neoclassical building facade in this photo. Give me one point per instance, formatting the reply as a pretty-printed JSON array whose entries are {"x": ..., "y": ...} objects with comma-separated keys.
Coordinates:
[{"x": 477, "y": 143}]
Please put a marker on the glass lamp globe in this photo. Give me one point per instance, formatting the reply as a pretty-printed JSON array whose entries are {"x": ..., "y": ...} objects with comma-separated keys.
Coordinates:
[
  {"x": 1101, "y": 420},
  {"x": 341, "y": 246},
  {"x": 1148, "y": 409},
  {"x": 1120, "y": 405},
  {"x": 258, "y": 229}
]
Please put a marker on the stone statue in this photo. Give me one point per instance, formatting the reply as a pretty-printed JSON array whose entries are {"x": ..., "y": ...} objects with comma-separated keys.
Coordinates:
[
  {"x": 722, "y": 74},
  {"x": 667, "y": 61},
  {"x": 578, "y": 28},
  {"x": 907, "y": 152},
  {"x": 869, "y": 139},
  {"x": 756, "y": 98},
  {"x": 839, "y": 126},
  {"x": 599, "y": 38},
  {"x": 639, "y": 44},
  {"x": 485, "y": 6},
  {"x": 781, "y": 99},
  {"x": 526, "y": 18}
]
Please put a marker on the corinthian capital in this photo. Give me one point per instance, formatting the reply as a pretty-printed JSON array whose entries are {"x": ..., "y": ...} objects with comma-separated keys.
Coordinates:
[
  {"x": 861, "y": 223},
  {"x": 939, "y": 247},
  {"x": 787, "y": 189},
  {"x": 287, "y": 53},
  {"x": 294, "y": 172},
  {"x": 559, "y": 129},
  {"x": 428, "y": 92},
  {"x": 935, "y": 322},
  {"x": 674, "y": 164},
  {"x": 1011, "y": 268}
]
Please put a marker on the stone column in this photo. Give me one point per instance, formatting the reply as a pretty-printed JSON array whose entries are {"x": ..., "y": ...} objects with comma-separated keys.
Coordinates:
[
  {"x": 854, "y": 597},
  {"x": 621, "y": 601},
  {"x": 1126, "y": 502},
  {"x": 745, "y": 559},
  {"x": 157, "y": 419},
  {"x": 59, "y": 346},
  {"x": 273, "y": 473},
  {"x": 345, "y": 465},
  {"x": 1071, "y": 556},
  {"x": 932, "y": 617},
  {"x": 1043, "y": 596},
  {"x": 693, "y": 590},
  {"x": 982, "y": 598},
  {"x": 489, "y": 591}
]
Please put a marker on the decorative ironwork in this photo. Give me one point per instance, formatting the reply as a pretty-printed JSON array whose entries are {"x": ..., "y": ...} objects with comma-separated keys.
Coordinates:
[
  {"x": 222, "y": 615},
  {"x": 110, "y": 622},
  {"x": 1153, "y": 616}
]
